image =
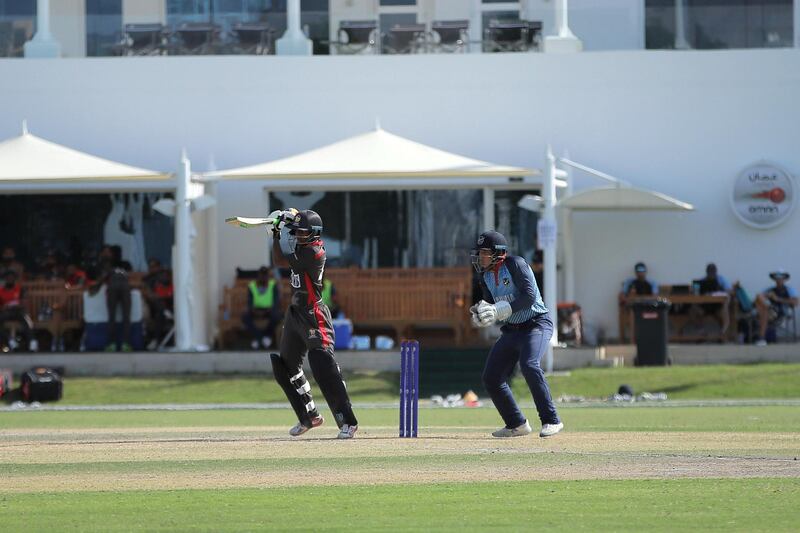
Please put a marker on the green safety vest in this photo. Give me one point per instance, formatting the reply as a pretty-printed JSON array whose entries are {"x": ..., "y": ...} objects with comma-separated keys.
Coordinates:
[
  {"x": 263, "y": 300},
  {"x": 327, "y": 293}
]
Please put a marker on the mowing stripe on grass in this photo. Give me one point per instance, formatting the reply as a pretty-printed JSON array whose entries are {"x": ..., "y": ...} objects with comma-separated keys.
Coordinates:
[
  {"x": 596, "y": 505},
  {"x": 778, "y": 418}
]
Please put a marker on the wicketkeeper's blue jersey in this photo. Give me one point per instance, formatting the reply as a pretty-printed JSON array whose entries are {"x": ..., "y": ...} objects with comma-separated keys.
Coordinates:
[{"x": 513, "y": 282}]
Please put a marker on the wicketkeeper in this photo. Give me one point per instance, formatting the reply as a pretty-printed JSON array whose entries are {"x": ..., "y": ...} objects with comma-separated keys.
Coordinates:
[
  {"x": 307, "y": 327},
  {"x": 512, "y": 299}
]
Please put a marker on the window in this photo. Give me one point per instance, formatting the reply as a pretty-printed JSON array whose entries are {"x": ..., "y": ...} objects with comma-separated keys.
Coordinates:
[
  {"x": 103, "y": 26},
  {"x": 712, "y": 24},
  {"x": 228, "y": 12},
  {"x": 315, "y": 16},
  {"x": 17, "y": 23},
  {"x": 398, "y": 2}
]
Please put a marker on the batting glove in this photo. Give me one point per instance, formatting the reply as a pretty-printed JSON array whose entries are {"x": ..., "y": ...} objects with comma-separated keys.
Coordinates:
[{"x": 277, "y": 221}]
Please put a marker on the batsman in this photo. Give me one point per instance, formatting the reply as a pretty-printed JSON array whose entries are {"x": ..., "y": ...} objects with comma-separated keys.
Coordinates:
[
  {"x": 307, "y": 328},
  {"x": 512, "y": 299}
]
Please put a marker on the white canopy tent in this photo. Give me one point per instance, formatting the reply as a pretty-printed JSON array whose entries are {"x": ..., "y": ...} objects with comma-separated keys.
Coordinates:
[
  {"x": 622, "y": 199},
  {"x": 380, "y": 160},
  {"x": 32, "y": 165},
  {"x": 621, "y": 196},
  {"x": 377, "y": 155}
]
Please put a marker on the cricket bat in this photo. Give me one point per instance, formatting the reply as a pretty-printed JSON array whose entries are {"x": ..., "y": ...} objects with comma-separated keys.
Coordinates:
[{"x": 249, "y": 222}]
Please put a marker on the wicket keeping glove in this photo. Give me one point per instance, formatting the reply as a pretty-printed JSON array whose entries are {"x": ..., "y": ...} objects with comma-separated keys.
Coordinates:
[
  {"x": 473, "y": 312},
  {"x": 489, "y": 314}
]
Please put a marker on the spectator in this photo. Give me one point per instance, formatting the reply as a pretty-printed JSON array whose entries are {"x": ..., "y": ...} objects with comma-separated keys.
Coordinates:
[
  {"x": 11, "y": 310},
  {"x": 262, "y": 303},
  {"x": 159, "y": 296},
  {"x": 712, "y": 283},
  {"x": 638, "y": 285},
  {"x": 154, "y": 269},
  {"x": 9, "y": 262},
  {"x": 50, "y": 267},
  {"x": 330, "y": 298},
  {"x": 74, "y": 277},
  {"x": 774, "y": 303},
  {"x": 114, "y": 275}
]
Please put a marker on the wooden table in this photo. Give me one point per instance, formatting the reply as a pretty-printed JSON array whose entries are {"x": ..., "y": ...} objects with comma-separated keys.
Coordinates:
[{"x": 678, "y": 321}]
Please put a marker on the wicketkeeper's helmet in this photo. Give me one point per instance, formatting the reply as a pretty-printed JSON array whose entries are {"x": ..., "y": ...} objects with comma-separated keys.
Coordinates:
[{"x": 492, "y": 241}]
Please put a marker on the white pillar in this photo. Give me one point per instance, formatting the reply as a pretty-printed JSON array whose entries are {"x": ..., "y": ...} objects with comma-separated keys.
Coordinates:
[
  {"x": 182, "y": 266},
  {"x": 550, "y": 249},
  {"x": 567, "y": 244},
  {"x": 488, "y": 209},
  {"x": 268, "y": 261},
  {"x": 680, "y": 26},
  {"x": 796, "y": 26},
  {"x": 43, "y": 44},
  {"x": 212, "y": 258},
  {"x": 294, "y": 42},
  {"x": 348, "y": 225},
  {"x": 564, "y": 41},
  {"x": 476, "y": 27}
]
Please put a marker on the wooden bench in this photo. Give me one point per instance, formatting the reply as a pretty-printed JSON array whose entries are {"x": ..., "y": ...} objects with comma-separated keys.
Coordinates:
[
  {"x": 55, "y": 310},
  {"x": 397, "y": 299}
]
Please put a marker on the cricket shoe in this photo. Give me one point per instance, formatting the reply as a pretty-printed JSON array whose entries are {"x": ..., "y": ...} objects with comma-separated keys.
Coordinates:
[
  {"x": 347, "y": 432},
  {"x": 301, "y": 428},
  {"x": 519, "y": 431},
  {"x": 548, "y": 430}
]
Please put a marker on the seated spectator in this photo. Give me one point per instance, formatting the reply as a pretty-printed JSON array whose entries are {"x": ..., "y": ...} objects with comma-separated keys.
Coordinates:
[
  {"x": 712, "y": 283},
  {"x": 74, "y": 277},
  {"x": 638, "y": 285},
  {"x": 774, "y": 303},
  {"x": 330, "y": 298},
  {"x": 11, "y": 310},
  {"x": 158, "y": 293},
  {"x": 50, "y": 267},
  {"x": 9, "y": 262},
  {"x": 154, "y": 269},
  {"x": 262, "y": 304}
]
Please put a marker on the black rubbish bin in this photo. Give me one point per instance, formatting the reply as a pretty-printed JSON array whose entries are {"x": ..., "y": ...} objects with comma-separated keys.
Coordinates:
[{"x": 651, "y": 329}]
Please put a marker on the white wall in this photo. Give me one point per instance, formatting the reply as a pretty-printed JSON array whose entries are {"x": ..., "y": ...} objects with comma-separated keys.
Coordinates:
[{"x": 683, "y": 123}]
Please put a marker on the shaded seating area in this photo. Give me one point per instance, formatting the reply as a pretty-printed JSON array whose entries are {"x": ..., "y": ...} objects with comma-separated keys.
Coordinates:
[
  {"x": 357, "y": 37},
  {"x": 512, "y": 36},
  {"x": 449, "y": 36},
  {"x": 252, "y": 38},
  {"x": 13, "y": 35},
  {"x": 144, "y": 40},
  {"x": 197, "y": 38},
  {"x": 63, "y": 317},
  {"x": 406, "y": 39},
  {"x": 395, "y": 301}
]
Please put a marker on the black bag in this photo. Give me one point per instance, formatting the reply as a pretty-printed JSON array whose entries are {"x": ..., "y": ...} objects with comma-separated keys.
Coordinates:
[{"x": 41, "y": 385}]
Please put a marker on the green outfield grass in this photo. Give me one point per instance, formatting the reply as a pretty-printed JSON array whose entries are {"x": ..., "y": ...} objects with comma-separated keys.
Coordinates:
[
  {"x": 634, "y": 505},
  {"x": 679, "y": 382},
  {"x": 736, "y": 418}
]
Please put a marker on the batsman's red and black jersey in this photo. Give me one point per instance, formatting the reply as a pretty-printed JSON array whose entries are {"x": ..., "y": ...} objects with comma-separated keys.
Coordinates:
[{"x": 308, "y": 267}]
